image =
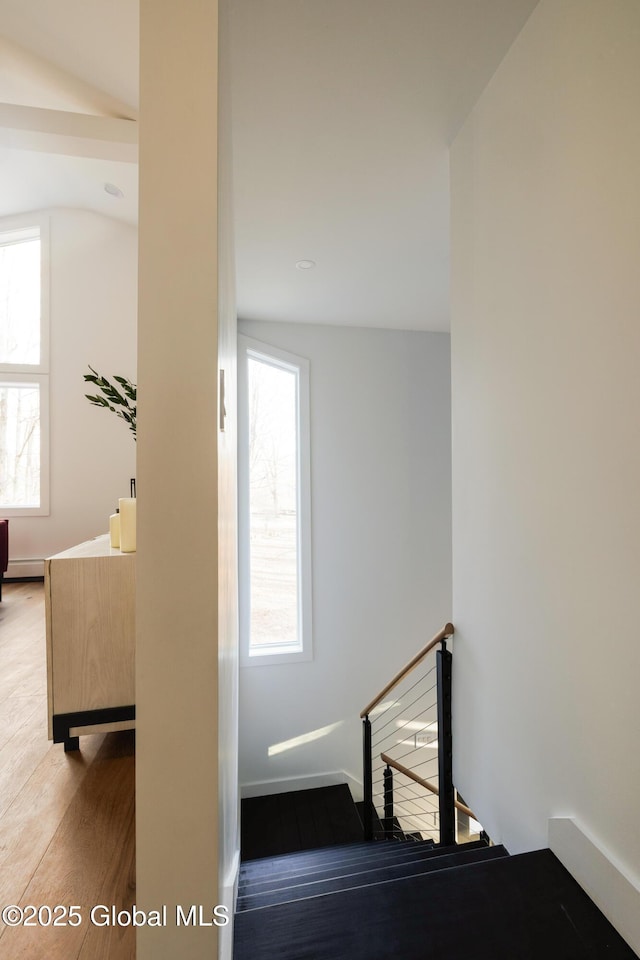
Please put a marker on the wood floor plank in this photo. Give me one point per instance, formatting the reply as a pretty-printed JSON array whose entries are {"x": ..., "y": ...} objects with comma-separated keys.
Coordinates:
[
  {"x": 34, "y": 816},
  {"x": 118, "y": 890},
  {"x": 31, "y": 685},
  {"x": 66, "y": 820},
  {"x": 76, "y": 864},
  {"x": 22, "y": 645},
  {"x": 14, "y": 713},
  {"x": 23, "y": 603},
  {"x": 17, "y": 666},
  {"x": 21, "y": 754}
]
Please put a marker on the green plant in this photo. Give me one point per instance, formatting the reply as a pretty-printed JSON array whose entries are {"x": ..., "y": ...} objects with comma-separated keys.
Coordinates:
[{"x": 122, "y": 403}]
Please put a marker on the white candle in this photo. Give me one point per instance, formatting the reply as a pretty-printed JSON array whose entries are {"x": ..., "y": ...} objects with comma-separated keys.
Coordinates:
[{"x": 127, "y": 524}]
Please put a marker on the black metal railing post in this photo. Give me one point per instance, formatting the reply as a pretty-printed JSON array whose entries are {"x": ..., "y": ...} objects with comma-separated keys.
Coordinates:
[
  {"x": 445, "y": 747},
  {"x": 388, "y": 803},
  {"x": 367, "y": 810}
]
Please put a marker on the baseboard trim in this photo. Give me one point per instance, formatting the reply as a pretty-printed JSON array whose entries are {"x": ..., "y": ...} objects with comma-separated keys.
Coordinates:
[
  {"x": 308, "y": 782},
  {"x": 610, "y": 887},
  {"x": 24, "y": 569}
]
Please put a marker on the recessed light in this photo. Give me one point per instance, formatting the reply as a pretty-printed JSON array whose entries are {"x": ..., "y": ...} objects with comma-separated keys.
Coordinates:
[
  {"x": 305, "y": 264},
  {"x": 113, "y": 191}
]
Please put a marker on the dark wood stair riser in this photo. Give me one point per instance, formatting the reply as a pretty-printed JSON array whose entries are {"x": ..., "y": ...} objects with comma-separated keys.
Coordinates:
[{"x": 298, "y": 820}]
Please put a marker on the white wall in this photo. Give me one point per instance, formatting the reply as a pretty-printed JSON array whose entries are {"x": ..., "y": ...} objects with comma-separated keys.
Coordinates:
[
  {"x": 93, "y": 311},
  {"x": 380, "y": 489},
  {"x": 546, "y": 446}
]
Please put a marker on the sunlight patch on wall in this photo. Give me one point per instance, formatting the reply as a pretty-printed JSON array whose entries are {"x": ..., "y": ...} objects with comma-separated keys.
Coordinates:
[
  {"x": 385, "y": 705},
  {"x": 303, "y": 739},
  {"x": 416, "y": 725}
]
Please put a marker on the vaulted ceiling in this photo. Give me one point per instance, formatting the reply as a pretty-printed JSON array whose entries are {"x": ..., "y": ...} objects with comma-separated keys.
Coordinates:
[
  {"x": 343, "y": 112},
  {"x": 68, "y": 80}
]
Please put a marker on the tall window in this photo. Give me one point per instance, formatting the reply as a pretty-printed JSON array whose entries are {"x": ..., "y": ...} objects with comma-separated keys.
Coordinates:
[
  {"x": 24, "y": 370},
  {"x": 274, "y": 516}
]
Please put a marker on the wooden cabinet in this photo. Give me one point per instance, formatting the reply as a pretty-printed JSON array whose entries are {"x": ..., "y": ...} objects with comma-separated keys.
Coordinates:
[{"x": 90, "y": 615}]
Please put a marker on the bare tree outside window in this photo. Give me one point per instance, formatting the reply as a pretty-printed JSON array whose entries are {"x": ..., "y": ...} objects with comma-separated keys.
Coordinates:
[
  {"x": 23, "y": 372},
  {"x": 20, "y": 445},
  {"x": 273, "y": 511}
]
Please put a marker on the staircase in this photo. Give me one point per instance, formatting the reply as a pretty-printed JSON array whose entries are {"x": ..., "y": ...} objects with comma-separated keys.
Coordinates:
[{"x": 408, "y": 899}]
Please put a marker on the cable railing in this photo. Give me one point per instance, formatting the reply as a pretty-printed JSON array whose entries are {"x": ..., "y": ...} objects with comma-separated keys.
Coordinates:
[{"x": 407, "y": 751}]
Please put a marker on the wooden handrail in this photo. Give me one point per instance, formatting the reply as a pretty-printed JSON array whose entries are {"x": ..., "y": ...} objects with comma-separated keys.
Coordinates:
[
  {"x": 447, "y": 631},
  {"x": 423, "y": 783}
]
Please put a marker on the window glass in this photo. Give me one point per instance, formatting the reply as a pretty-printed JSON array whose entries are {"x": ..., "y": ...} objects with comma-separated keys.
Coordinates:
[
  {"x": 24, "y": 374},
  {"x": 20, "y": 301},
  {"x": 19, "y": 445},
  {"x": 274, "y": 504}
]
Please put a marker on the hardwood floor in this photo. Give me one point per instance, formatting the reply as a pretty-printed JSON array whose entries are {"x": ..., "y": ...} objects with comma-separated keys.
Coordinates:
[{"x": 66, "y": 820}]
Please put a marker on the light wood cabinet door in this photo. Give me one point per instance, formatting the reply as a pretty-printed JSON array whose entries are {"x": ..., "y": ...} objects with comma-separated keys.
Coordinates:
[{"x": 90, "y": 606}]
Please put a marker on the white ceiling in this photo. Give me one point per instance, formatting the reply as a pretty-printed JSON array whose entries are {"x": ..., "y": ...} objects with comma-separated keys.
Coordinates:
[
  {"x": 95, "y": 40},
  {"x": 68, "y": 55},
  {"x": 343, "y": 111}
]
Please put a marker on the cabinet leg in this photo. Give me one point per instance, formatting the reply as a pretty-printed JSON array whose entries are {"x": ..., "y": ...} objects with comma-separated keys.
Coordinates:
[{"x": 71, "y": 743}]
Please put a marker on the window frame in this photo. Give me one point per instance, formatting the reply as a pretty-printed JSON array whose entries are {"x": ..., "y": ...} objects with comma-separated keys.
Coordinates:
[
  {"x": 249, "y": 348},
  {"x": 14, "y": 229}
]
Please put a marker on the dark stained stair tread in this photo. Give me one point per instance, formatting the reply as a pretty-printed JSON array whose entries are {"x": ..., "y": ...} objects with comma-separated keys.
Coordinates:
[{"x": 524, "y": 907}]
